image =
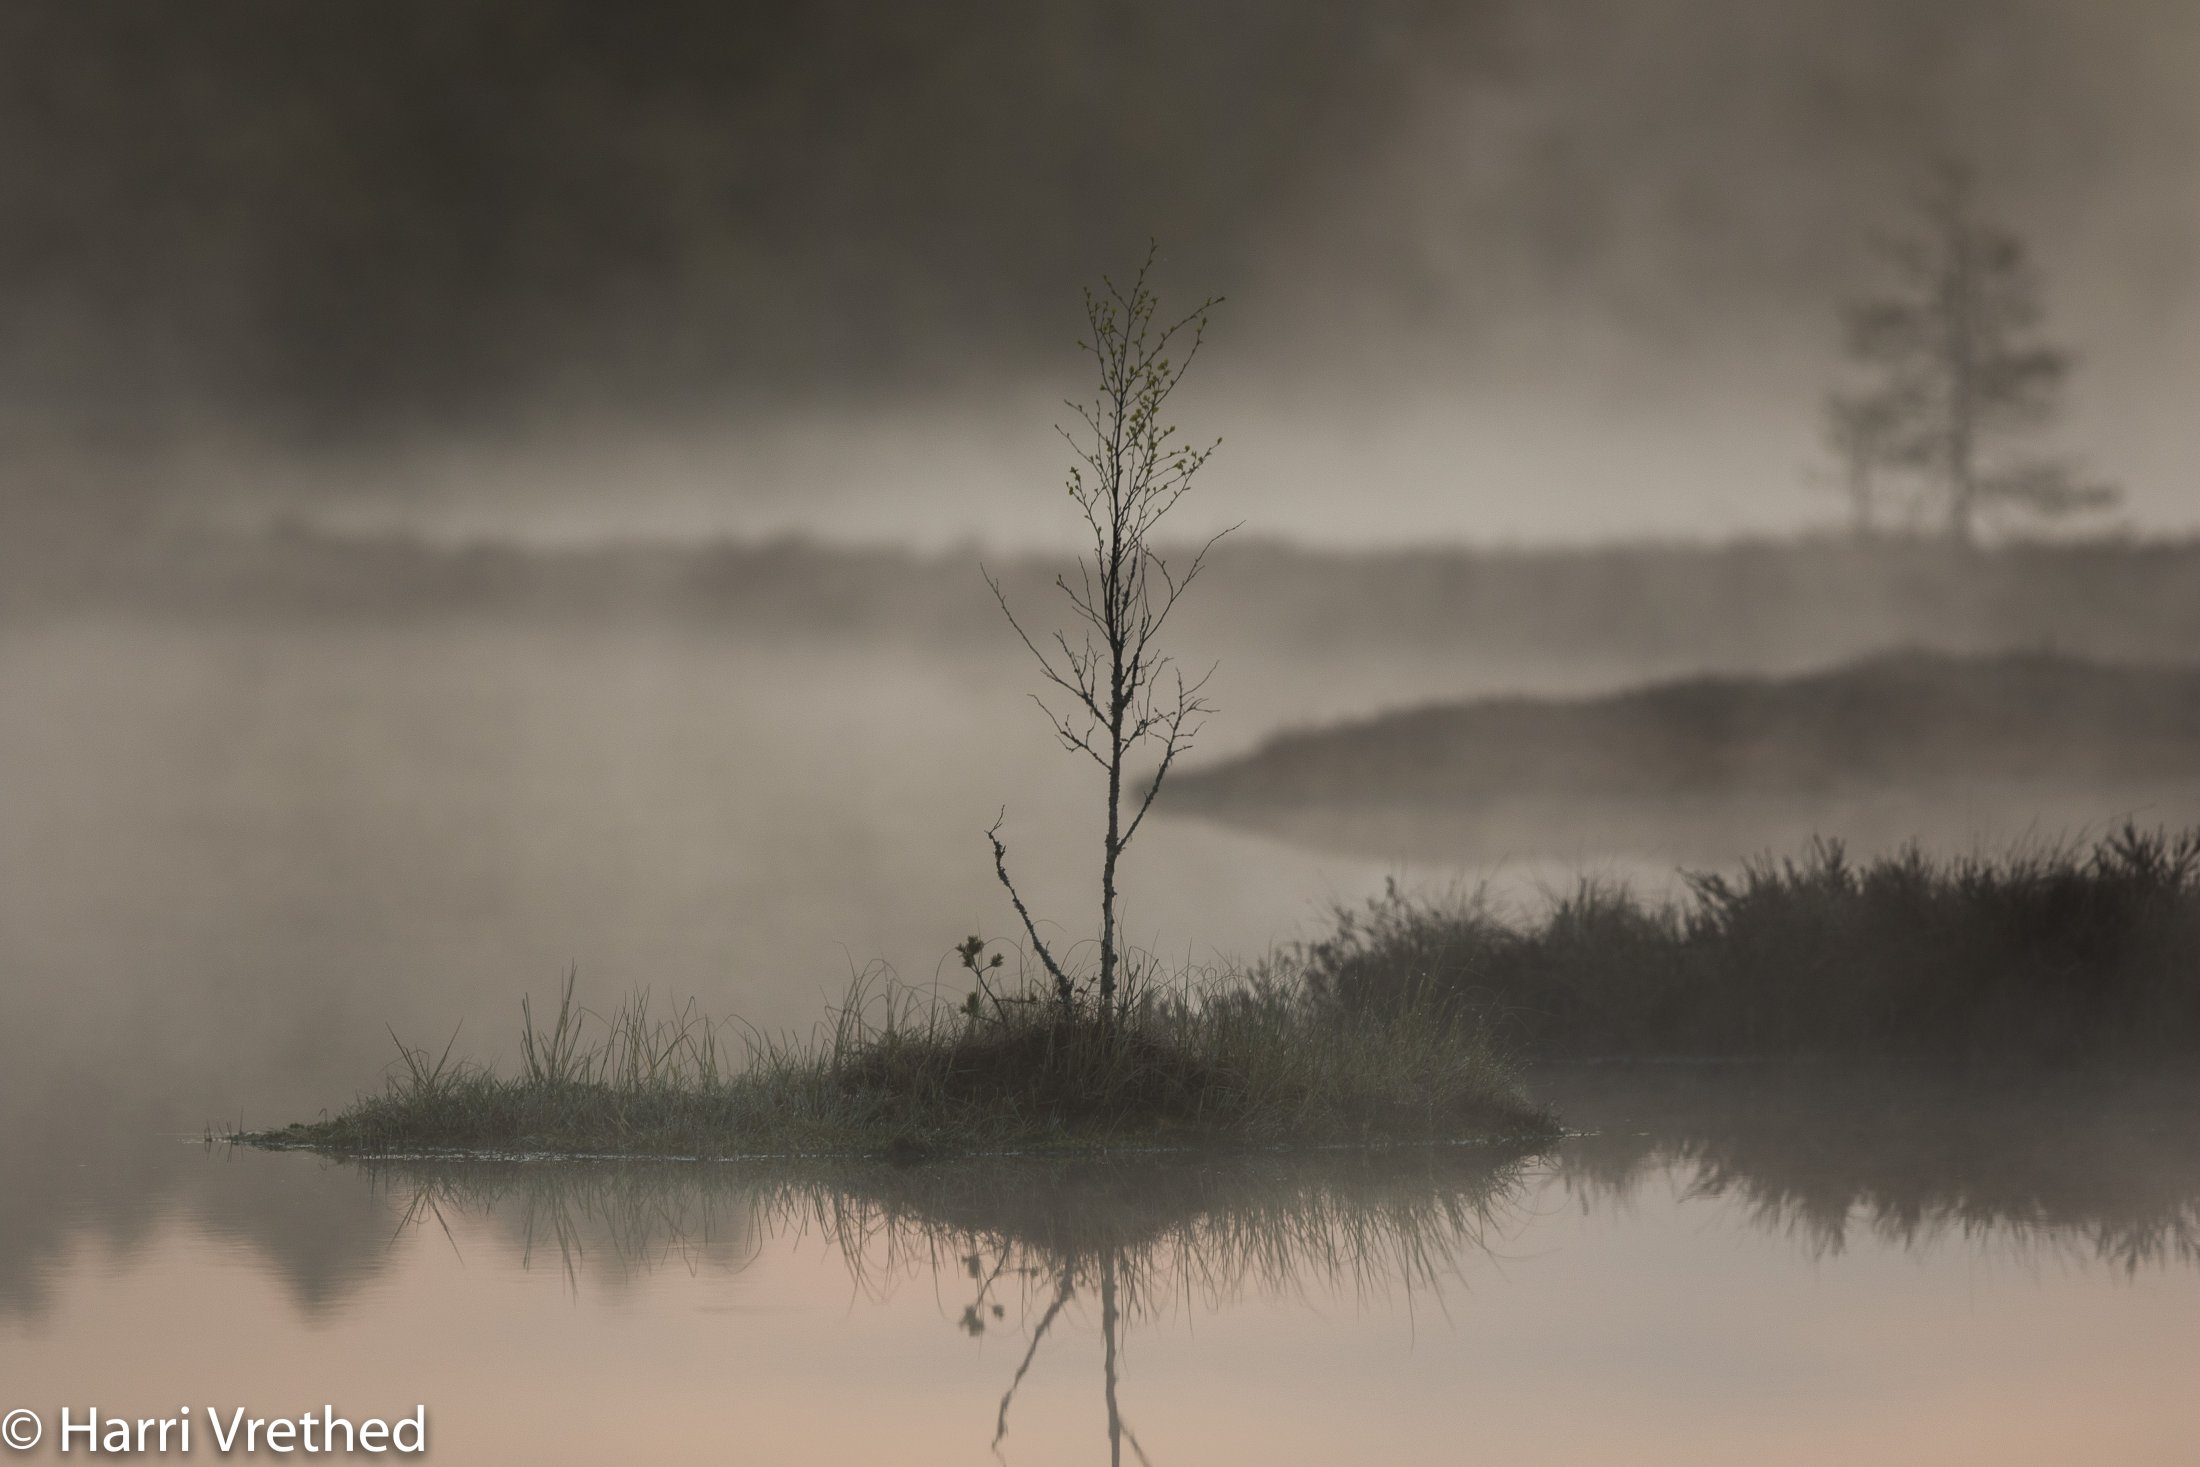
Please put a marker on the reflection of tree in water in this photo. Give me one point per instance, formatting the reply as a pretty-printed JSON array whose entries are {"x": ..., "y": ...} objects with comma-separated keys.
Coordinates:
[
  {"x": 1138, "y": 1235},
  {"x": 1145, "y": 1235},
  {"x": 2090, "y": 1166}
]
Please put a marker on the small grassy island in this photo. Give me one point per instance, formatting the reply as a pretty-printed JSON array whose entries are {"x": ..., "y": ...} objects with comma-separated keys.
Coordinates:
[
  {"x": 1396, "y": 1028},
  {"x": 898, "y": 1074}
]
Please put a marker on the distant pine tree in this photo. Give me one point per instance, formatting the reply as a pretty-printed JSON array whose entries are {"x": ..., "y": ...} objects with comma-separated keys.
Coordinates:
[{"x": 1956, "y": 370}]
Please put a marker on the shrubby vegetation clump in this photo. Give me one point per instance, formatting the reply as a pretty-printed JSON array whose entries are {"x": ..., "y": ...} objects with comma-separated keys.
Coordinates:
[{"x": 2060, "y": 954}]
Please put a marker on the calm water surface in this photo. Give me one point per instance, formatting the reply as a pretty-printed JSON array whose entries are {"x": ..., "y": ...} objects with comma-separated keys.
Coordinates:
[
  {"x": 1723, "y": 1289},
  {"x": 228, "y": 859}
]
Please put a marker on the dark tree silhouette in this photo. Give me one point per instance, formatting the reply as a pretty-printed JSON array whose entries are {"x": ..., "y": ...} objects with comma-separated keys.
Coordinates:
[
  {"x": 1860, "y": 432},
  {"x": 1957, "y": 370},
  {"x": 1112, "y": 692}
]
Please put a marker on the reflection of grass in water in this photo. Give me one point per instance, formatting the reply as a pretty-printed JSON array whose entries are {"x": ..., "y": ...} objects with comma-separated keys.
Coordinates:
[
  {"x": 2078, "y": 1166},
  {"x": 899, "y": 1072},
  {"x": 1139, "y": 1233},
  {"x": 1210, "y": 1225},
  {"x": 1203, "y": 1229},
  {"x": 617, "y": 1218},
  {"x": 1141, "y": 1238}
]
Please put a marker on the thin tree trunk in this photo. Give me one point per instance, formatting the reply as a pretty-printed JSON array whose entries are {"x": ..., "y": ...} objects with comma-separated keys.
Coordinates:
[
  {"x": 1959, "y": 302},
  {"x": 1962, "y": 478},
  {"x": 1112, "y": 851},
  {"x": 1962, "y": 475}
]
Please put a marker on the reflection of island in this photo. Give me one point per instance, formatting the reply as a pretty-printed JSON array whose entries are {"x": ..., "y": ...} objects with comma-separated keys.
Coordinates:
[
  {"x": 2099, "y": 1170},
  {"x": 2106, "y": 1167},
  {"x": 1132, "y": 1234}
]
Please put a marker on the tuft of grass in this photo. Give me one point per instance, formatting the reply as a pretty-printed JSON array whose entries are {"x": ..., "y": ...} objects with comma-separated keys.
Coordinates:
[
  {"x": 2056, "y": 955},
  {"x": 895, "y": 1071}
]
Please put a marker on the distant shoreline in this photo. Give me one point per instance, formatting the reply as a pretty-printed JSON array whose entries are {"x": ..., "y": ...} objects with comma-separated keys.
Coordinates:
[
  {"x": 1765, "y": 605},
  {"x": 1873, "y": 750}
]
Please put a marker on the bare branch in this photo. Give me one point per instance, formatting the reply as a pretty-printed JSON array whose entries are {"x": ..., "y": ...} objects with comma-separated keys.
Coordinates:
[
  {"x": 1062, "y": 987},
  {"x": 1190, "y": 710}
]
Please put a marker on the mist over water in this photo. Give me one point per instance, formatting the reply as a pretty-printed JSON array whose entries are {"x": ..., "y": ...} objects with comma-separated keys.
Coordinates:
[
  {"x": 493, "y": 490},
  {"x": 1494, "y": 270}
]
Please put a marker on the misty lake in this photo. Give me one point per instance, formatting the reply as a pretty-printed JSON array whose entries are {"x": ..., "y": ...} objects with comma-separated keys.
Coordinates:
[{"x": 232, "y": 858}]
